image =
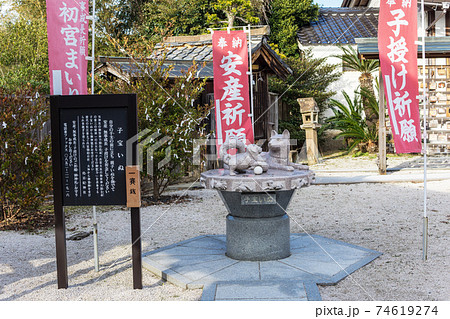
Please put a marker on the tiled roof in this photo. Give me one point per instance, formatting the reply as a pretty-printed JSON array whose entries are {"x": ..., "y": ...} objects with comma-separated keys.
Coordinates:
[
  {"x": 200, "y": 52},
  {"x": 340, "y": 26},
  {"x": 198, "y": 48},
  {"x": 180, "y": 55},
  {"x": 193, "y": 51},
  {"x": 123, "y": 68}
]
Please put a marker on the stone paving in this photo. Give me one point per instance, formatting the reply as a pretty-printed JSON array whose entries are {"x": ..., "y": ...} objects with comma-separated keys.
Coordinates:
[{"x": 200, "y": 262}]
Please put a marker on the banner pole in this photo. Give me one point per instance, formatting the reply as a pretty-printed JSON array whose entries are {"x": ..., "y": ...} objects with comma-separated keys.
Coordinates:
[
  {"x": 95, "y": 232},
  {"x": 93, "y": 47},
  {"x": 251, "y": 77},
  {"x": 94, "y": 212},
  {"x": 425, "y": 217}
]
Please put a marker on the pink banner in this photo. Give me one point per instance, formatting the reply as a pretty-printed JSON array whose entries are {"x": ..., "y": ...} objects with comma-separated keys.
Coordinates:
[
  {"x": 397, "y": 36},
  {"x": 231, "y": 88},
  {"x": 67, "y": 29}
]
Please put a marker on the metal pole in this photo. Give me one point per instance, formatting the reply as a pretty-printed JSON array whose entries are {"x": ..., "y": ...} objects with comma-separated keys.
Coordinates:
[
  {"x": 381, "y": 128},
  {"x": 94, "y": 225},
  {"x": 96, "y": 259},
  {"x": 93, "y": 47},
  {"x": 425, "y": 217},
  {"x": 250, "y": 60}
]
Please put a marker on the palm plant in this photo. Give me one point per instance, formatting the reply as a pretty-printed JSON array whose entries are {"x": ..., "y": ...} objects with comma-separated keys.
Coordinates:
[
  {"x": 351, "y": 60},
  {"x": 349, "y": 119}
]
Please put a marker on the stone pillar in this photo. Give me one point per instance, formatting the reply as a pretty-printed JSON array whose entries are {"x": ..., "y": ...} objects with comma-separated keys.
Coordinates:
[
  {"x": 257, "y": 225},
  {"x": 310, "y": 116}
]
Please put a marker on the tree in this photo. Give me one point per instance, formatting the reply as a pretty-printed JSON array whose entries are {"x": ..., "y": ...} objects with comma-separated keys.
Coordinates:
[
  {"x": 351, "y": 60},
  {"x": 166, "y": 112},
  {"x": 233, "y": 9},
  {"x": 182, "y": 17},
  {"x": 119, "y": 18},
  {"x": 310, "y": 78},
  {"x": 191, "y": 17},
  {"x": 23, "y": 47},
  {"x": 285, "y": 19},
  {"x": 25, "y": 169}
]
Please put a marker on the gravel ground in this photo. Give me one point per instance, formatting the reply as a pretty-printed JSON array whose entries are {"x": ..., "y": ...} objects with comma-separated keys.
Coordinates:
[{"x": 384, "y": 217}]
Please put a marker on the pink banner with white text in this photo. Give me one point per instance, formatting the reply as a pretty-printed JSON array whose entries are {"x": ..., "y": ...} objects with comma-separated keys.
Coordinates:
[
  {"x": 67, "y": 29},
  {"x": 397, "y": 36},
  {"x": 231, "y": 87}
]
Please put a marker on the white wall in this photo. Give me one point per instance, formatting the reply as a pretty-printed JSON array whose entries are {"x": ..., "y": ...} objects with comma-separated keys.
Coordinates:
[{"x": 375, "y": 4}]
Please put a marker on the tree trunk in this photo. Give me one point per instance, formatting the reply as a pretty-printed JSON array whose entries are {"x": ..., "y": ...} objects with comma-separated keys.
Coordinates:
[
  {"x": 155, "y": 180},
  {"x": 230, "y": 17},
  {"x": 366, "y": 83},
  {"x": 155, "y": 187}
]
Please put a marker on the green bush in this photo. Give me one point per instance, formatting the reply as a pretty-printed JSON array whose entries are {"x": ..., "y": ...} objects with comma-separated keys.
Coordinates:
[
  {"x": 25, "y": 167},
  {"x": 350, "y": 120}
]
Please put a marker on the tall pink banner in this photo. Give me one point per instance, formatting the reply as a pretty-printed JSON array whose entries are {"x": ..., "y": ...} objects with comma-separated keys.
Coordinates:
[
  {"x": 231, "y": 88},
  {"x": 67, "y": 29},
  {"x": 397, "y": 36}
]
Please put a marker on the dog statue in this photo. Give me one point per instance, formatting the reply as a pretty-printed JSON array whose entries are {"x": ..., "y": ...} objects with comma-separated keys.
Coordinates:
[
  {"x": 243, "y": 159},
  {"x": 278, "y": 155}
]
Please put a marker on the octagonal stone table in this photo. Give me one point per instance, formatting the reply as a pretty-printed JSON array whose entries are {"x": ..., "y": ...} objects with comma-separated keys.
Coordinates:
[{"x": 257, "y": 226}]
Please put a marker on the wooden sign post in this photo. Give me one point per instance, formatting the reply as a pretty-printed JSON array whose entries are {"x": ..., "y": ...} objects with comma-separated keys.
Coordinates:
[{"x": 89, "y": 155}]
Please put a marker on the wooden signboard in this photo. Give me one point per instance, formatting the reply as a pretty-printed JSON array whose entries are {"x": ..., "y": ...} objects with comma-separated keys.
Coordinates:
[
  {"x": 89, "y": 157},
  {"x": 133, "y": 186}
]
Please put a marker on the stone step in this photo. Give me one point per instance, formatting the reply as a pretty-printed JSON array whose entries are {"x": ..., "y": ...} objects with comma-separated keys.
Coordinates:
[{"x": 261, "y": 291}]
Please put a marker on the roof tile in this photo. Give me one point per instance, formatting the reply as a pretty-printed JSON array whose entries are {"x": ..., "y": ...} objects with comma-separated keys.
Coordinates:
[{"x": 340, "y": 26}]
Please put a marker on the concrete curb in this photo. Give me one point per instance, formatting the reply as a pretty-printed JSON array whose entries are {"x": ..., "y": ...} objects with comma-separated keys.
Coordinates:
[{"x": 417, "y": 178}]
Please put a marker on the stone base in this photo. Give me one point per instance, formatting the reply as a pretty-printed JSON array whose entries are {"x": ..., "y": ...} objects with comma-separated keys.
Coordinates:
[
  {"x": 258, "y": 239},
  {"x": 200, "y": 262}
]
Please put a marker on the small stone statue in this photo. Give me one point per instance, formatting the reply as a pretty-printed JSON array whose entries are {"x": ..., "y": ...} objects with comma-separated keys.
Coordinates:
[
  {"x": 243, "y": 160},
  {"x": 278, "y": 155},
  {"x": 253, "y": 158}
]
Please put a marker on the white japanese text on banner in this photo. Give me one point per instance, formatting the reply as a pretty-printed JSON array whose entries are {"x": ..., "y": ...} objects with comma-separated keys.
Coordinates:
[
  {"x": 67, "y": 28},
  {"x": 397, "y": 36}
]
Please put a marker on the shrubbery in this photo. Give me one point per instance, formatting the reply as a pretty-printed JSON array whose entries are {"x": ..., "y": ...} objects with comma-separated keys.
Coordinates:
[
  {"x": 351, "y": 121},
  {"x": 25, "y": 167},
  {"x": 167, "y": 113}
]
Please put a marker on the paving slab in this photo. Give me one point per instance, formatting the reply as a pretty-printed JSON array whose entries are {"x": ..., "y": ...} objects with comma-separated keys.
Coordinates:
[
  {"x": 255, "y": 290},
  {"x": 200, "y": 262},
  {"x": 277, "y": 269}
]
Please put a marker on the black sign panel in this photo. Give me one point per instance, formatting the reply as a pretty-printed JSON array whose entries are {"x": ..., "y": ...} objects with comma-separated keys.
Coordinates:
[
  {"x": 93, "y": 156},
  {"x": 91, "y": 139}
]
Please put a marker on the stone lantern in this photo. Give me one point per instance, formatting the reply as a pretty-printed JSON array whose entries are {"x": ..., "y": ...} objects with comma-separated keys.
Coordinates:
[{"x": 310, "y": 116}]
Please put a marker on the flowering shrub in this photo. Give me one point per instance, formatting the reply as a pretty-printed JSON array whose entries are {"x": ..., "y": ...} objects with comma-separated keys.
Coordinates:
[{"x": 25, "y": 167}]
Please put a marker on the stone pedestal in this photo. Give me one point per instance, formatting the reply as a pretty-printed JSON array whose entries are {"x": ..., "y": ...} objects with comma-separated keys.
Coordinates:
[
  {"x": 312, "y": 145},
  {"x": 258, "y": 239},
  {"x": 257, "y": 224}
]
